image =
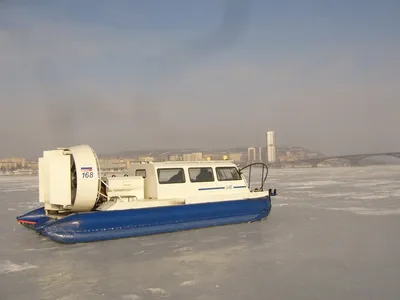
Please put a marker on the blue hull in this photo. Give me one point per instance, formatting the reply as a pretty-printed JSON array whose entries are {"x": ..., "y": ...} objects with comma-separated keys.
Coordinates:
[{"x": 107, "y": 225}]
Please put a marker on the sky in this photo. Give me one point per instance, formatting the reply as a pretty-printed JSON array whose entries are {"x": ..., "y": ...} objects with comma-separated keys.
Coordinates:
[{"x": 132, "y": 75}]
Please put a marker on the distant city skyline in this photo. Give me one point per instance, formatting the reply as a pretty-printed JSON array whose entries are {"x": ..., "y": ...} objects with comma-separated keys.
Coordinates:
[
  {"x": 121, "y": 75},
  {"x": 285, "y": 158}
]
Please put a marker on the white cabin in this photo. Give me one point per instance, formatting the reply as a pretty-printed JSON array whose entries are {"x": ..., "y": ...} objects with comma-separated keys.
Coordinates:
[{"x": 192, "y": 181}]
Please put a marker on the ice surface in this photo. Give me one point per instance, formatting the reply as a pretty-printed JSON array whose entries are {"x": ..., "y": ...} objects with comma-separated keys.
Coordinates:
[
  {"x": 332, "y": 234},
  {"x": 8, "y": 267}
]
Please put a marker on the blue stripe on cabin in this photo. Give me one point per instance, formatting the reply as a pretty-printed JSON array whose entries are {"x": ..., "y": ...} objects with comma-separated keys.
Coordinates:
[{"x": 212, "y": 188}]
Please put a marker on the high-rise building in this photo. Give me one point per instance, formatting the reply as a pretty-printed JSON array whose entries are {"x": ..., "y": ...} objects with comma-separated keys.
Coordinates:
[
  {"x": 260, "y": 154},
  {"x": 271, "y": 146},
  {"x": 251, "y": 154}
]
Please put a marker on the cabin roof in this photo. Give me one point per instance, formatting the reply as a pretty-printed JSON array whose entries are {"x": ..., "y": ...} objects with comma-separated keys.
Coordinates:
[{"x": 209, "y": 163}]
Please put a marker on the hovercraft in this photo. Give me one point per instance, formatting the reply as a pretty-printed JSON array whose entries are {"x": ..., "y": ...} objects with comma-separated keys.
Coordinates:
[{"x": 80, "y": 205}]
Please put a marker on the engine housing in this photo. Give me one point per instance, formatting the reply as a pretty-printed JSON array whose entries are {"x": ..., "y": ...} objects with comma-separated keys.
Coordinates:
[{"x": 69, "y": 179}]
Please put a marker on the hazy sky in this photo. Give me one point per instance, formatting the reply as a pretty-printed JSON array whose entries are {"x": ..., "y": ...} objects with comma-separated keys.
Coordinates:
[{"x": 122, "y": 75}]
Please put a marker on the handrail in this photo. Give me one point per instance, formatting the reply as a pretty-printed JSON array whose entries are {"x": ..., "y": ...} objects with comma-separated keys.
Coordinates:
[{"x": 263, "y": 179}]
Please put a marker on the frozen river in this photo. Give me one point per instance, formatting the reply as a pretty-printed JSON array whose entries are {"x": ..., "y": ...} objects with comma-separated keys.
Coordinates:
[{"x": 332, "y": 234}]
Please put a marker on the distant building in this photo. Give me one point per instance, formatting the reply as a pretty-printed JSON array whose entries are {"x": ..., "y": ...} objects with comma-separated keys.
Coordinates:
[
  {"x": 146, "y": 158},
  {"x": 196, "y": 156},
  {"x": 32, "y": 165},
  {"x": 12, "y": 163},
  {"x": 113, "y": 164},
  {"x": 235, "y": 156},
  {"x": 260, "y": 154},
  {"x": 214, "y": 157},
  {"x": 174, "y": 158},
  {"x": 271, "y": 146},
  {"x": 251, "y": 154}
]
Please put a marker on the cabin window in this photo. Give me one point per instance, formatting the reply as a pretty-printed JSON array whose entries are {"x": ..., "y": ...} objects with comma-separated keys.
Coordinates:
[
  {"x": 227, "y": 173},
  {"x": 171, "y": 175},
  {"x": 140, "y": 172},
  {"x": 201, "y": 174}
]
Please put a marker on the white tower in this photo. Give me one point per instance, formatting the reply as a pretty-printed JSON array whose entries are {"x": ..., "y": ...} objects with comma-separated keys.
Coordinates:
[
  {"x": 271, "y": 146},
  {"x": 251, "y": 154}
]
